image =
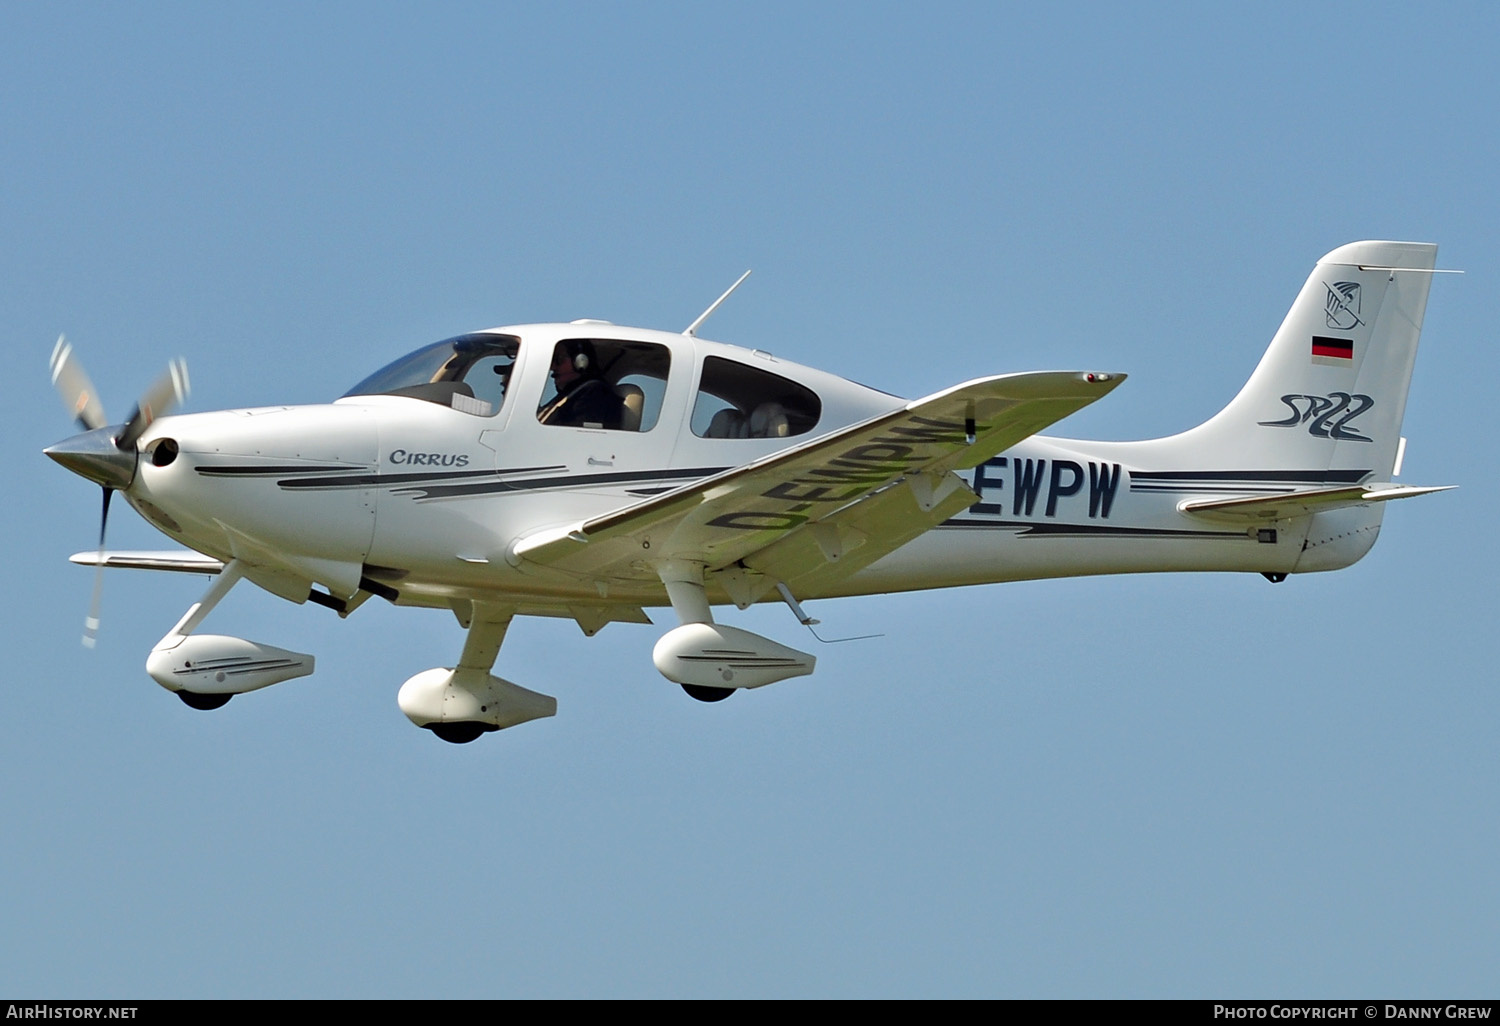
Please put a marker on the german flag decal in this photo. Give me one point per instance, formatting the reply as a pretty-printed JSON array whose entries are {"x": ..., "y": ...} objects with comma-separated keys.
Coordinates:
[{"x": 1332, "y": 350}]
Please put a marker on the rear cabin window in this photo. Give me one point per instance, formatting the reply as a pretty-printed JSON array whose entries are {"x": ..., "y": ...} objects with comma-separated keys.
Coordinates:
[
  {"x": 739, "y": 401},
  {"x": 603, "y": 383}
]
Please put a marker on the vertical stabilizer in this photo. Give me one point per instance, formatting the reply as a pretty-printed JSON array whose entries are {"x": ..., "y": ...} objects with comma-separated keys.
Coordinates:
[{"x": 1331, "y": 389}]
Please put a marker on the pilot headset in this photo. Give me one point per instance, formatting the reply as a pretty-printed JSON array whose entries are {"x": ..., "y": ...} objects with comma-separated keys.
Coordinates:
[{"x": 583, "y": 354}]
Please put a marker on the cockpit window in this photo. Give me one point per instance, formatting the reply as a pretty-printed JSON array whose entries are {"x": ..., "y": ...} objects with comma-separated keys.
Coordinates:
[
  {"x": 603, "y": 383},
  {"x": 470, "y": 373},
  {"x": 738, "y": 401}
]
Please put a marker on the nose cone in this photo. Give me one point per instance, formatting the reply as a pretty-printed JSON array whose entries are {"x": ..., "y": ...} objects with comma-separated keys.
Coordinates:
[{"x": 95, "y": 456}]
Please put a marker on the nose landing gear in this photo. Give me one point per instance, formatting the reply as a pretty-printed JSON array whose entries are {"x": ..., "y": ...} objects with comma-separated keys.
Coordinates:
[
  {"x": 460, "y": 704},
  {"x": 705, "y": 694}
]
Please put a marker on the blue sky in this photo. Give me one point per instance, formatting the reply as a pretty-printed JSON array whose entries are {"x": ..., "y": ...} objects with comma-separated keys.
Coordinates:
[{"x": 1149, "y": 786}]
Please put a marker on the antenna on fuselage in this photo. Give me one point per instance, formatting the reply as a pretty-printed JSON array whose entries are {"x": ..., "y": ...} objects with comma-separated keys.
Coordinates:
[{"x": 693, "y": 328}]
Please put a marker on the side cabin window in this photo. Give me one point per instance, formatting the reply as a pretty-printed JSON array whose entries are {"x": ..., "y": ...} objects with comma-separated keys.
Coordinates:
[
  {"x": 738, "y": 401},
  {"x": 603, "y": 383},
  {"x": 469, "y": 373}
]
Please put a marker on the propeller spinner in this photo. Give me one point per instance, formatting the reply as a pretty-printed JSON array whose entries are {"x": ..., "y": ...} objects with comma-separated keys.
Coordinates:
[{"x": 106, "y": 454}]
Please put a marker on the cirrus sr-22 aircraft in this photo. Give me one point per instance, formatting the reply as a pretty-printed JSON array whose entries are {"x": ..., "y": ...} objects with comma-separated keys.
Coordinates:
[{"x": 591, "y": 471}]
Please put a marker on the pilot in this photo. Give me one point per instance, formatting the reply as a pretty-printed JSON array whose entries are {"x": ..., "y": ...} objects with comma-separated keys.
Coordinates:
[{"x": 584, "y": 398}]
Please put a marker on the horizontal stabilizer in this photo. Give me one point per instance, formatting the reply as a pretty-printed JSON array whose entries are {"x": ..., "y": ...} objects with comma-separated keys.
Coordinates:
[
  {"x": 181, "y": 560},
  {"x": 1301, "y": 503}
]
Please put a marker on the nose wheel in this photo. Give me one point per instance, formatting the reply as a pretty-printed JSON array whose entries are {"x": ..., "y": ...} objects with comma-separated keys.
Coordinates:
[{"x": 198, "y": 700}]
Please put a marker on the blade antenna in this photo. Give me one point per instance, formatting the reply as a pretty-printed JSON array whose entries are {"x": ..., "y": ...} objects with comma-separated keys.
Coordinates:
[
  {"x": 693, "y": 328},
  {"x": 809, "y": 622}
]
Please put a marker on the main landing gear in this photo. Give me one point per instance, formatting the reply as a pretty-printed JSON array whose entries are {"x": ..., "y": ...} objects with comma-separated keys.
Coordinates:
[
  {"x": 707, "y": 694},
  {"x": 712, "y": 661},
  {"x": 460, "y": 733},
  {"x": 198, "y": 700}
]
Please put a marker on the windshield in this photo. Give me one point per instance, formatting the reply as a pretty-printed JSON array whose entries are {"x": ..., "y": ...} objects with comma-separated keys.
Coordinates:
[{"x": 470, "y": 373}]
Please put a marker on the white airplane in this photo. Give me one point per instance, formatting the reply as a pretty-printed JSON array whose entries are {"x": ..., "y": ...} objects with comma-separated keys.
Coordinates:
[{"x": 592, "y": 471}]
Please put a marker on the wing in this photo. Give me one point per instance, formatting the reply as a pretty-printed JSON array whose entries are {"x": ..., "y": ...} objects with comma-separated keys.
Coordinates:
[{"x": 867, "y": 489}]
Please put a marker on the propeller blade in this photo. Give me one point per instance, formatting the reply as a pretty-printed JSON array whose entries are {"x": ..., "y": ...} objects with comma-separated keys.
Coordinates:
[
  {"x": 73, "y": 384},
  {"x": 91, "y": 622},
  {"x": 93, "y": 456},
  {"x": 166, "y": 392}
]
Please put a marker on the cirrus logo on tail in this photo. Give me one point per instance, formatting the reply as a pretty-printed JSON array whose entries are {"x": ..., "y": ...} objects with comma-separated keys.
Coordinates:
[{"x": 1341, "y": 305}]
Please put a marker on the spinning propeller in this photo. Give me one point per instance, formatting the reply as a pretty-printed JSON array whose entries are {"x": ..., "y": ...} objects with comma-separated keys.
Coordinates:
[{"x": 106, "y": 454}]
